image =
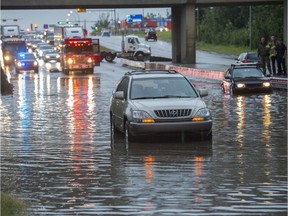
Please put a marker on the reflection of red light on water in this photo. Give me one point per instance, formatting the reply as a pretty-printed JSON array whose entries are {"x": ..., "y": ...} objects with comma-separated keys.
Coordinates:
[{"x": 148, "y": 164}]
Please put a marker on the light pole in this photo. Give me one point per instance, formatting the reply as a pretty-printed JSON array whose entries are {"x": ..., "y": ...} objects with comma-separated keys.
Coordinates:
[
  {"x": 69, "y": 15},
  {"x": 250, "y": 27},
  {"x": 71, "y": 12}
]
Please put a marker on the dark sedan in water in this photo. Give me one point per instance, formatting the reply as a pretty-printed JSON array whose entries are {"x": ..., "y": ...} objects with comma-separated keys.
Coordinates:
[{"x": 245, "y": 79}]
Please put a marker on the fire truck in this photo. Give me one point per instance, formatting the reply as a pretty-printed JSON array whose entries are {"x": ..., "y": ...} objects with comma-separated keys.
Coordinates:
[
  {"x": 77, "y": 54},
  {"x": 10, "y": 47}
]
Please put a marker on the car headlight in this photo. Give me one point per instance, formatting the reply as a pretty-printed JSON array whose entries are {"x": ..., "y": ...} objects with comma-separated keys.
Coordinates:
[
  {"x": 7, "y": 58},
  {"x": 142, "y": 116},
  {"x": 35, "y": 63},
  {"x": 89, "y": 60},
  {"x": 47, "y": 56},
  {"x": 57, "y": 56},
  {"x": 202, "y": 114},
  {"x": 240, "y": 85},
  {"x": 19, "y": 64},
  {"x": 266, "y": 84}
]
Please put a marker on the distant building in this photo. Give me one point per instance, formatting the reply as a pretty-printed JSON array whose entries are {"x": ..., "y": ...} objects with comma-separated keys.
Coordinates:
[{"x": 147, "y": 23}]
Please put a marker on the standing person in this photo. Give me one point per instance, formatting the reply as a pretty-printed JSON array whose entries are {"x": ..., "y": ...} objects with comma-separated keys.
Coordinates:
[
  {"x": 273, "y": 53},
  {"x": 263, "y": 53},
  {"x": 281, "y": 54}
]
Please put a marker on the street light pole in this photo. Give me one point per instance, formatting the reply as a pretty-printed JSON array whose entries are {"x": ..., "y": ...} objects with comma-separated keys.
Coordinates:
[
  {"x": 71, "y": 12},
  {"x": 250, "y": 27}
]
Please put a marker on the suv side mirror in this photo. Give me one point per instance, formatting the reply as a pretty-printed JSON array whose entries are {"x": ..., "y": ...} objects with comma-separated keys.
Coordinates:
[
  {"x": 203, "y": 92},
  {"x": 119, "y": 95}
]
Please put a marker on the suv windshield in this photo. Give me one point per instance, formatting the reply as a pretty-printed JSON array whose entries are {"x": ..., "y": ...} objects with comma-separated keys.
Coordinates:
[
  {"x": 148, "y": 88},
  {"x": 247, "y": 72}
]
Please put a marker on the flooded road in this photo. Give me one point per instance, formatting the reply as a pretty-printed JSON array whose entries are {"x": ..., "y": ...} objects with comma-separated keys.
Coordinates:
[{"x": 56, "y": 153}]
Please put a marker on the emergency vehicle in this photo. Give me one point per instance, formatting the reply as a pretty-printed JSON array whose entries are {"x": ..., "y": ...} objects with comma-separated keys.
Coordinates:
[
  {"x": 10, "y": 47},
  {"x": 77, "y": 54}
]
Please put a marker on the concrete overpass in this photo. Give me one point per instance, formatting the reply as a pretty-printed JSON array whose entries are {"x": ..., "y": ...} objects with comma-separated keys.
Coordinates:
[{"x": 183, "y": 16}]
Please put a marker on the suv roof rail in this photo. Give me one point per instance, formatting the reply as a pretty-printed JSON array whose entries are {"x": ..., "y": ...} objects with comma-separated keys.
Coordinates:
[{"x": 151, "y": 72}]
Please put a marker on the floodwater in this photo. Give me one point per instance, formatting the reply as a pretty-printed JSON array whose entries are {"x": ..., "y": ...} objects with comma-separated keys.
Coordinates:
[{"x": 56, "y": 153}]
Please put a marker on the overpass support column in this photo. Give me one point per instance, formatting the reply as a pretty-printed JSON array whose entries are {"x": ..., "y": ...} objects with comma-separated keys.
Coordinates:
[
  {"x": 285, "y": 31},
  {"x": 184, "y": 34}
]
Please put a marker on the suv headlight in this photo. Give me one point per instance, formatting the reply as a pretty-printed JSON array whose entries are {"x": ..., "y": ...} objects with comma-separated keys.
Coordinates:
[
  {"x": 142, "y": 116},
  {"x": 240, "y": 85},
  {"x": 266, "y": 84},
  {"x": 202, "y": 114}
]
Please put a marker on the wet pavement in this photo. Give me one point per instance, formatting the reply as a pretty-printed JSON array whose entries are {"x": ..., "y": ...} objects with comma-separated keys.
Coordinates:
[{"x": 56, "y": 153}]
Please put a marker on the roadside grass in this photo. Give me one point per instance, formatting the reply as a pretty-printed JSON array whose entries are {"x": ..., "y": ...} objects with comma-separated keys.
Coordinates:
[
  {"x": 223, "y": 49},
  {"x": 11, "y": 205}
]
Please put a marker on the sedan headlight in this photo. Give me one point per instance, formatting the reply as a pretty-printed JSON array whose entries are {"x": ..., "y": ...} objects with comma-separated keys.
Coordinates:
[
  {"x": 35, "y": 63},
  {"x": 142, "y": 116},
  {"x": 202, "y": 114},
  {"x": 47, "y": 56},
  {"x": 266, "y": 84},
  {"x": 7, "y": 58},
  {"x": 240, "y": 85},
  {"x": 57, "y": 56},
  {"x": 19, "y": 64}
]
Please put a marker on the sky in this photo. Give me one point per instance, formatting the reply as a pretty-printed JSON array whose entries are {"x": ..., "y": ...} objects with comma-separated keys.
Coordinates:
[{"x": 40, "y": 17}]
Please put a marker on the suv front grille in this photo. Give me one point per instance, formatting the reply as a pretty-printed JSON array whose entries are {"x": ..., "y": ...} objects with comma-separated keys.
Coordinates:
[{"x": 173, "y": 113}]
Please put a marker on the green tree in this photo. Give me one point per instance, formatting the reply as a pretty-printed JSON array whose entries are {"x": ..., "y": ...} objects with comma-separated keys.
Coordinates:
[{"x": 230, "y": 25}]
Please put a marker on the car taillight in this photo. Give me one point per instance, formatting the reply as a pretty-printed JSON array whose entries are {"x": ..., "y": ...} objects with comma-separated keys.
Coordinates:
[{"x": 245, "y": 61}]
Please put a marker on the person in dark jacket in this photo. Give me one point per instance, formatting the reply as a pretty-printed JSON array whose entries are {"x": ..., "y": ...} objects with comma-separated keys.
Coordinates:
[
  {"x": 281, "y": 54},
  {"x": 263, "y": 53}
]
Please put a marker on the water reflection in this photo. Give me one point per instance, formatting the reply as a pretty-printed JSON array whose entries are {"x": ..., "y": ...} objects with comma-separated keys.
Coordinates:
[
  {"x": 266, "y": 102},
  {"x": 55, "y": 142},
  {"x": 240, "y": 111},
  {"x": 163, "y": 165}
]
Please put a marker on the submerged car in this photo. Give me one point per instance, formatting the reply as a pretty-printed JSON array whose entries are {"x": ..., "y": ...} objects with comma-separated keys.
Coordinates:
[
  {"x": 50, "y": 55},
  {"x": 41, "y": 49},
  {"x": 26, "y": 62},
  {"x": 248, "y": 57},
  {"x": 245, "y": 79},
  {"x": 158, "y": 102}
]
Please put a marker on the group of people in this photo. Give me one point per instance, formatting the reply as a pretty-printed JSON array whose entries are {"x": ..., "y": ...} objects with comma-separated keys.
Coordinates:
[{"x": 272, "y": 52}]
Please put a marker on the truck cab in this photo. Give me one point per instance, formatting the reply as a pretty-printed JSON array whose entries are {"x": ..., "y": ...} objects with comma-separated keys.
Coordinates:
[{"x": 133, "y": 45}]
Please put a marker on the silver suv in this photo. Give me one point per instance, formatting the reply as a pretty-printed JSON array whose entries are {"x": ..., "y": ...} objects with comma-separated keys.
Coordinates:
[{"x": 158, "y": 101}]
